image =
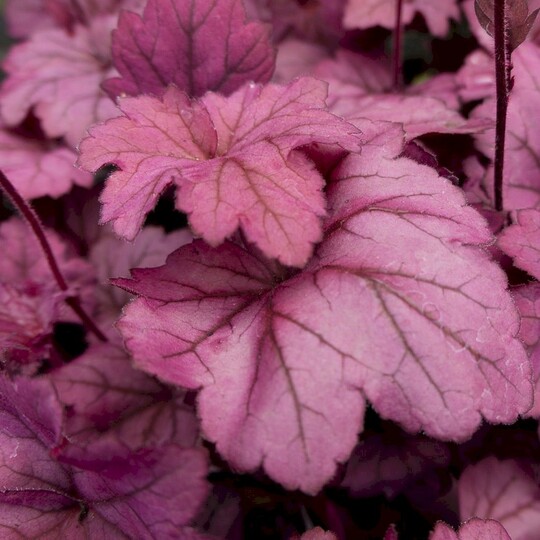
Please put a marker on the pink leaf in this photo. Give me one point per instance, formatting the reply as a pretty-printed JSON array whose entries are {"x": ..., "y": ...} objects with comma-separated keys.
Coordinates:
[
  {"x": 26, "y": 17},
  {"x": 232, "y": 159},
  {"x": 358, "y": 90},
  {"x": 474, "y": 529},
  {"x": 285, "y": 357},
  {"x": 522, "y": 149},
  {"x": 59, "y": 75},
  {"x": 527, "y": 300},
  {"x": 367, "y": 13},
  {"x": 196, "y": 45},
  {"x": 36, "y": 169},
  {"x": 501, "y": 490},
  {"x": 353, "y": 75},
  {"x": 522, "y": 241}
]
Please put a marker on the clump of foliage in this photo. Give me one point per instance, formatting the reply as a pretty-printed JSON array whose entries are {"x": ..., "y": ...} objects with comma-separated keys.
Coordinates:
[{"x": 268, "y": 273}]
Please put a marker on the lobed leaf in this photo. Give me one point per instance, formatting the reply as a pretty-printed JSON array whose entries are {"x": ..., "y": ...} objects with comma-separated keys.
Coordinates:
[
  {"x": 37, "y": 169},
  {"x": 59, "y": 76},
  {"x": 232, "y": 158},
  {"x": 197, "y": 45},
  {"x": 397, "y": 305}
]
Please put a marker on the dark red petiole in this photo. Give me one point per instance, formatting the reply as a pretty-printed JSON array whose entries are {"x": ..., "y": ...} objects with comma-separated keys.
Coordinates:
[{"x": 32, "y": 219}]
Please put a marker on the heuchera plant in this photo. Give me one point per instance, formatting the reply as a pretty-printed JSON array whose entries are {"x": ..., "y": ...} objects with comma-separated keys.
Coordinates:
[{"x": 270, "y": 270}]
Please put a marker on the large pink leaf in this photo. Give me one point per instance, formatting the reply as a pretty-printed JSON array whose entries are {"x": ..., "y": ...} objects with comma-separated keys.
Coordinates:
[
  {"x": 367, "y": 13},
  {"x": 474, "y": 529},
  {"x": 232, "y": 159},
  {"x": 36, "y": 169},
  {"x": 198, "y": 45},
  {"x": 59, "y": 75},
  {"x": 522, "y": 241},
  {"x": 396, "y": 302},
  {"x": 501, "y": 490}
]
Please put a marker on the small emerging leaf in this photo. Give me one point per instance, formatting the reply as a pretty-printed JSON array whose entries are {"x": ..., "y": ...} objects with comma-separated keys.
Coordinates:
[{"x": 519, "y": 19}]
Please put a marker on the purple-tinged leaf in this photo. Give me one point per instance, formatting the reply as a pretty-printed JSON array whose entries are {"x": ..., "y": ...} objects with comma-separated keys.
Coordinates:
[
  {"x": 389, "y": 463},
  {"x": 197, "y": 45},
  {"x": 367, "y": 13},
  {"x": 503, "y": 491},
  {"x": 36, "y": 169},
  {"x": 43, "y": 498},
  {"x": 436, "y": 351},
  {"x": 520, "y": 21},
  {"x": 107, "y": 398},
  {"x": 26, "y": 324},
  {"x": 20, "y": 265},
  {"x": 474, "y": 529},
  {"x": 59, "y": 76},
  {"x": 113, "y": 258},
  {"x": 232, "y": 158},
  {"x": 318, "y": 21},
  {"x": 30, "y": 298},
  {"x": 153, "y": 494},
  {"x": 522, "y": 241}
]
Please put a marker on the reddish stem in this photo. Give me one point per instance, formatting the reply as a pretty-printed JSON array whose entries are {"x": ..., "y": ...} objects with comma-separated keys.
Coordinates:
[
  {"x": 503, "y": 68},
  {"x": 397, "y": 52},
  {"x": 32, "y": 219}
]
